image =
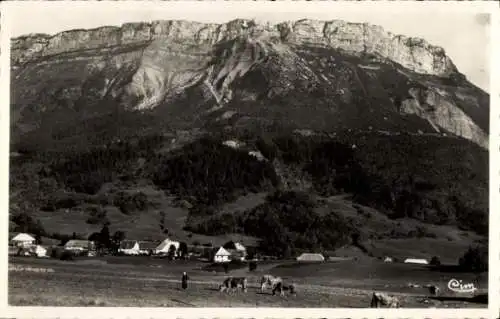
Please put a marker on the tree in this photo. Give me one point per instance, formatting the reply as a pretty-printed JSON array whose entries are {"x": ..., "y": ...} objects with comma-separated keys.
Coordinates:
[
  {"x": 252, "y": 266},
  {"x": 162, "y": 222},
  {"x": 27, "y": 224},
  {"x": 38, "y": 239},
  {"x": 96, "y": 238},
  {"x": 435, "y": 261},
  {"x": 171, "y": 252},
  {"x": 475, "y": 259},
  {"x": 117, "y": 238},
  {"x": 183, "y": 249},
  {"x": 104, "y": 237}
]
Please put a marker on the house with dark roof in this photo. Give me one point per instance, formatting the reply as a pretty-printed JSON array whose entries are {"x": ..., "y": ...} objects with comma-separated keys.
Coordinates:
[
  {"x": 237, "y": 250},
  {"x": 80, "y": 246},
  {"x": 147, "y": 247}
]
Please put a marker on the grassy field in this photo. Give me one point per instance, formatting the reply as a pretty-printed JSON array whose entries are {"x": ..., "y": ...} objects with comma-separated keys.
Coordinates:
[{"x": 138, "y": 281}]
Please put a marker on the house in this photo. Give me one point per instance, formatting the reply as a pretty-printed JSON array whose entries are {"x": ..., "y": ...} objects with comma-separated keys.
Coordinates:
[
  {"x": 129, "y": 247},
  {"x": 237, "y": 254},
  {"x": 147, "y": 247},
  {"x": 80, "y": 246},
  {"x": 165, "y": 246},
  {"x": 310, "y": 257},
  {"x": 237, "y": 250},
  {"x": 22, "y": 240},
  {"x": 416, "y": 261},
  {"x": 388, "y": 259},
  {"x": 40, "y": 251},
  {"x": 222, "y": 256},
  {"x": 240, "y": 247}
]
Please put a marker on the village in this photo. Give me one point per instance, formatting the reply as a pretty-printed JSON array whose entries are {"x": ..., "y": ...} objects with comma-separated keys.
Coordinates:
[
  {"x": 131, "y": 265},
  {"x": 24, "y": 244}
]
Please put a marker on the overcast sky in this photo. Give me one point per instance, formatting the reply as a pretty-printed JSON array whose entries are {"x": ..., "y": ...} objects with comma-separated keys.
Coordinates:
[{"x": 464, "y": 34}]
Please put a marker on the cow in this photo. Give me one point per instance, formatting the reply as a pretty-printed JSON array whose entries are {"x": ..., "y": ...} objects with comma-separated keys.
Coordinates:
[
  {"x": 232, "y": 284},
  {"x": 282, "y": 287},
  {"x": 269, "y": 281},
  {"x": 381, "y": 299}
]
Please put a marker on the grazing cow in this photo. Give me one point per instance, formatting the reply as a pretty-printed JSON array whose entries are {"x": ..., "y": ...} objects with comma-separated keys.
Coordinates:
[
  {"x": 381, "y": 299},
  {"x": 269, "y": 281},
  {"x": 281, "y": 287},
  {"x": 232, "y": 284},
  {"x": 226, "y": 284},
  {"x": 433, "y": 290}
]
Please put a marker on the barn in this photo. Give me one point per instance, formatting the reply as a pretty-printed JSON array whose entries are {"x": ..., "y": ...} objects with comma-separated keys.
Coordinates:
[
  {"x": 416, "y": 261},
  {"x": 22, "y": 240},
  {"x": 222, "y": 256},
  {"x": 80, "y": 246},
  {"x": 310, "y": 257},
  {"x": 164, "y": 246}
]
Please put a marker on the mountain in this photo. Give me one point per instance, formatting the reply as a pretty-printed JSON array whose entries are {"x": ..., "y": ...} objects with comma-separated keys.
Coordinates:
[
  {"x": 318, "y": 107},
  {"x": 357, "y": 74}
]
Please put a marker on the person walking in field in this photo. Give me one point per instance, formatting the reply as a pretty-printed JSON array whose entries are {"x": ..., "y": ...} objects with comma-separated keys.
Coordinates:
[{"x": 184, "y": 280}]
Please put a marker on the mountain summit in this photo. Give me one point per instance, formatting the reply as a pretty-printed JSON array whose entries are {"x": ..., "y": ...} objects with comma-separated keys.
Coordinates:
[{"x": 324, "y": 75}]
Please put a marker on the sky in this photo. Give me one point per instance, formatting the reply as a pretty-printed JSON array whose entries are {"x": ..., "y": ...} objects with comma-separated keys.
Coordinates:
[{"x": 463, "y": 33}]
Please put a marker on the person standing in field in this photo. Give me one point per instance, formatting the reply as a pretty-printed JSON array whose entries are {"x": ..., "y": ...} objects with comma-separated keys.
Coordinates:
[{"x": 184, "y": 280}]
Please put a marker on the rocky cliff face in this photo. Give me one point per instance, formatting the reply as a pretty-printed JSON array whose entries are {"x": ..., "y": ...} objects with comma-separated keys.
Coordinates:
[
  {"x": 360, "y": 75},
  {"x": 412, "y": 53}
]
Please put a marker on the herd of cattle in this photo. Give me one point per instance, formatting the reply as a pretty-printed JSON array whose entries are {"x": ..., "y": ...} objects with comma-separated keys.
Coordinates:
[{"x": 231, "y": 284}]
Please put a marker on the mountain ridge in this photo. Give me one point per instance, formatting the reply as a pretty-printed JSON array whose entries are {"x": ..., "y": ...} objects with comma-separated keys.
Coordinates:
[
  {"x": 143, "y": 66},
  {"x": 325, "y": 32}
]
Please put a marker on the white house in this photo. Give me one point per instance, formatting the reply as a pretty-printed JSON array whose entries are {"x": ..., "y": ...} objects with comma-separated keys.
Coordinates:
[
  {"x": 165, "y": 245},
  {"x": 311, "y": 257},
  {"x": 388, "y": 259},
  {"x": 23, "y": 240},
  {"x": 241, "y": 251},
  {"x": 257, "y": 154},
  {"x": 232, "y": 143},
  {"x": 222, "y": 255},
  {"x": 40, "y": 251},
  {"x": 129, "y": 247},
  {"x": 416, "y": 261},
  {"x": 239, "y": 247}
]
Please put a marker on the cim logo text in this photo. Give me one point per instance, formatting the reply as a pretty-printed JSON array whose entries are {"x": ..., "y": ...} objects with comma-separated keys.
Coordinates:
[{"x": 458, "y": 286}]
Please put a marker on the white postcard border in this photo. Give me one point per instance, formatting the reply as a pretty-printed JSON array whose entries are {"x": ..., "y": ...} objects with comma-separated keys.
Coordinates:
[{"x": 128, "y": 312}]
